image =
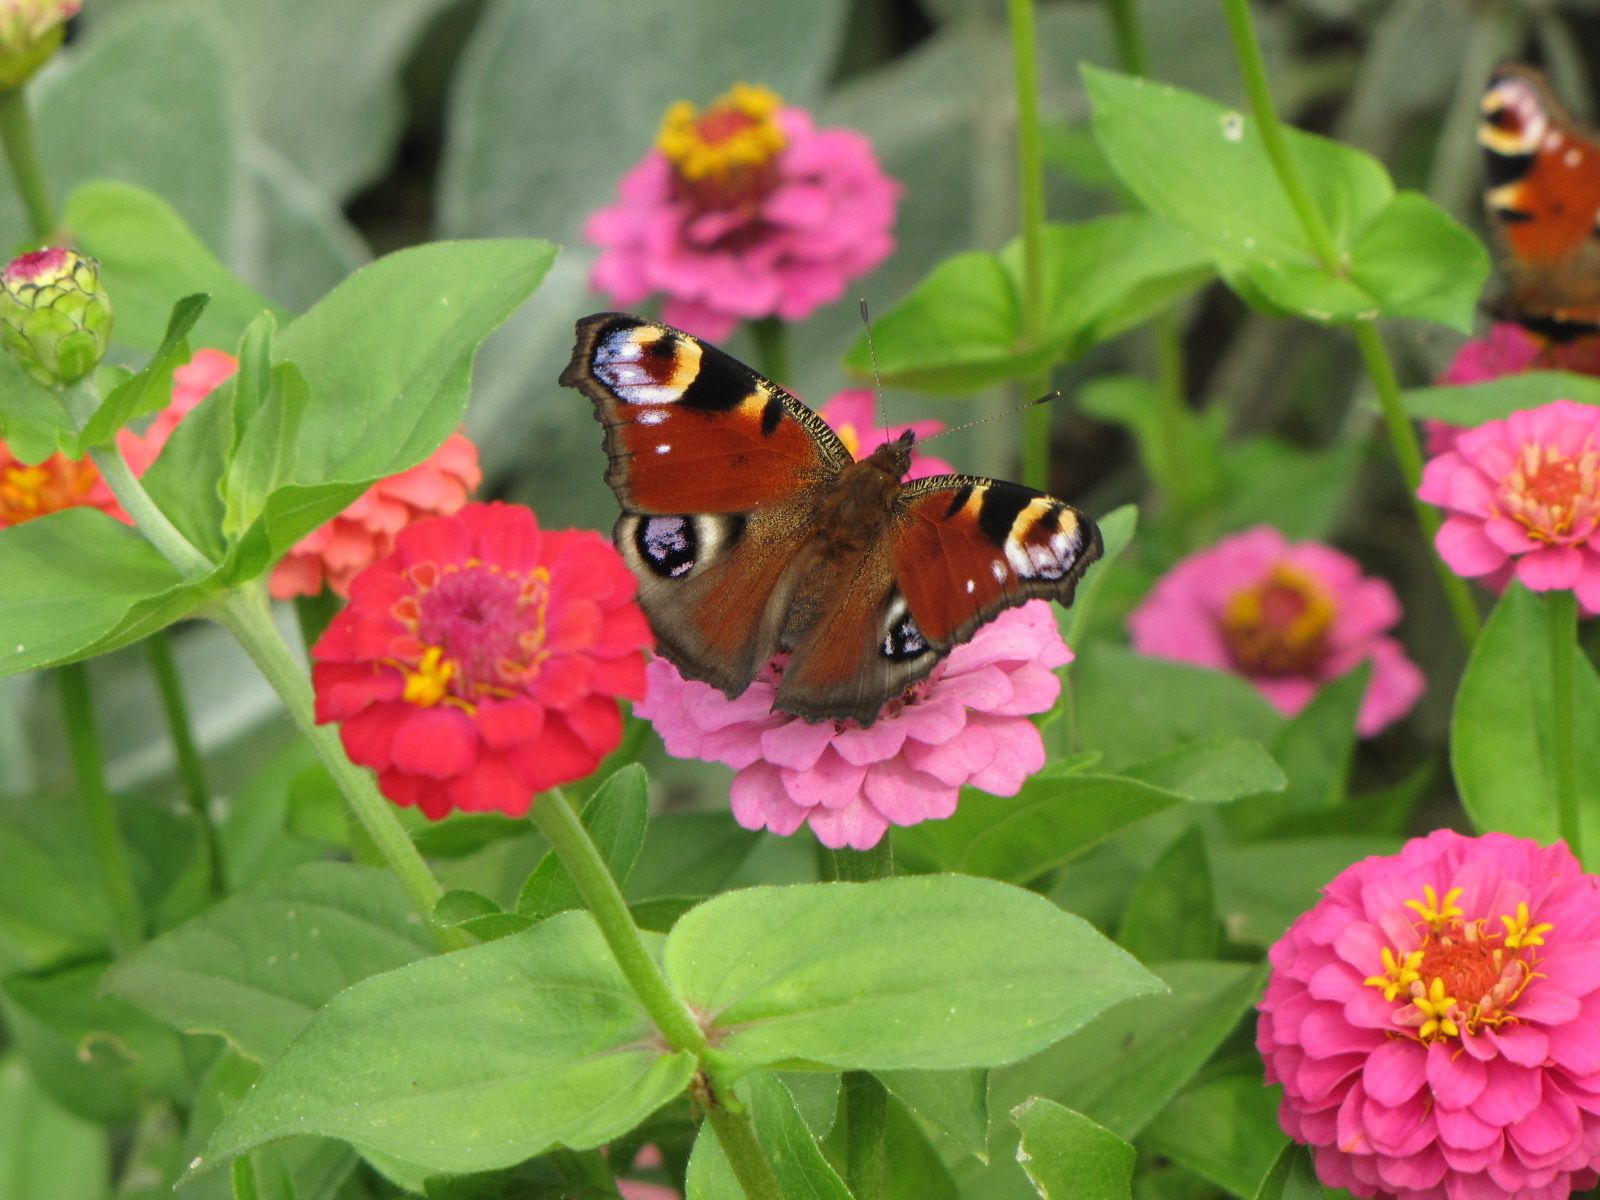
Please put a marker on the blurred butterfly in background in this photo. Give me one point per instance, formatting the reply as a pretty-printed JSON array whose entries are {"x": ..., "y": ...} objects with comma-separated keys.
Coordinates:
[
  {"x": 753, "y": 531},
  {"x": 1543, "y": 198}
]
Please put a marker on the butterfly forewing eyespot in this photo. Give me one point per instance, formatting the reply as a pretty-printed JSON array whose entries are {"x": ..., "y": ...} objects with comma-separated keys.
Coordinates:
[{"x": 646, "y": 364}]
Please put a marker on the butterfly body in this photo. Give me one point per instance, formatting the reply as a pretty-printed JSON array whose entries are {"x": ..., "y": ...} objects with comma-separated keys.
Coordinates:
[
  {"x": 754, "y": 533},
  {"x": 1543, "y": 200}
]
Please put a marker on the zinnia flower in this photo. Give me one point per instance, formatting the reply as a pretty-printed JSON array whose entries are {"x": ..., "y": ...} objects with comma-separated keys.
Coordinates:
[
  {"x": 1289, "y": 617},
  {"x": 480, "y": 661},
  {"x": 743, "y": 210},
  {"x": 1521, "y": 497},
  {"x": 966, "y": 723},
  {"x": 33, "y": 490},
  {"x": 1509, "y": 349},
  {"x": 1434, "y": 1020},
  {"x": 334, "y": 553}
]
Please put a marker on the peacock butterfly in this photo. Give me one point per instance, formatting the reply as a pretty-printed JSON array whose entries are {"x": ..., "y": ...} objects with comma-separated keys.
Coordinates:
[
  {"x": 1543, "y": 198},
  {"x": 754, "y": 532}
]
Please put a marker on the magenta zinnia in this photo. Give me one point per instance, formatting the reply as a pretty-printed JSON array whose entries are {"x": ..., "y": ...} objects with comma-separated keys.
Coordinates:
[
  {"x": 742, "y": 210},
  {"x": 1435, "y": 1022},
  {"x": 481, "y": 661}
]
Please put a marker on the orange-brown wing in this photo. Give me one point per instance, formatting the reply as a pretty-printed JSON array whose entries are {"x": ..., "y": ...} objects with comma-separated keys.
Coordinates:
[
  {"x": 957, "y": 551},
  {"x": 689, "y": 429},
  {"x": 1543, "y": 198},
  {"x": 965, "y": 548}
]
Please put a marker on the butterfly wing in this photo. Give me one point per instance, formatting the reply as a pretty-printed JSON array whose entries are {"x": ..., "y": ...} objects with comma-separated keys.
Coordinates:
[
  {"x": 1543, "y": 198},
  {"x": 718, "y": 471},
  {"x": 958, "y": 550}
]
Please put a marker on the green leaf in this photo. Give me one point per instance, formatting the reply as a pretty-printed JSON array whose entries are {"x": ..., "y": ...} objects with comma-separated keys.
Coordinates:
[
  {"x": 616, "y": 817},
  {"x": 32, "y": 422},
  {"x": 255, "y": 968},
  {"x": 262, "y": 459},
  {"x": 573, "y": 1059},
  {"x": 957, "y": 1102},
  {"x": 78, "y": 583},
  {"x": 1058, "y": 815},
  {"x": 149, "y": 260},
  {"x": 1471, "y": 404},
  {"x": 690, "y": 854},
  {"x": 53, "y": 908},
  {"x": 1204, "y": 167},
  {"x": 46, "y": 1153},
  {"x": 1068, "y": 1157},
  {"x": 924, "y": 972},
  {"x": 1262, "y": 886},
  {"x": 1213, "y": 770},
  {"x": 1292, "y": 1177},
  {"x": 462, "y": 908},
  {"x": 387, "y": 356},
  {"x": 1116, "y": 532},
  {"x": 1501, "y": 742},
  {"x": 1132, "y": 707},
  {"x": 150, "y": 389},
  {"x": 1301, "y": 492},
  {"x": 1173, "y": 913},
  {"x": 1223, "y": 1129},
  {"x": 802, "y": 1172},
  {"x": 1160, "y": 1042},
  {"x": 1187, "y": 468},
  {"x": 917, "y": 1170}
]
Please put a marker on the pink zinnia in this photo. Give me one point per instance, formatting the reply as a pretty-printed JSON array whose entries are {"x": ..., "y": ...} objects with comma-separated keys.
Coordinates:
[
  {"x": 1290, "y": 617},
  {"x": 743, "y": 210},
  {"x": 481, "y": 661},
  {"x": 1434, "y": 1020},
  {"x": 853, "y": 415},
  {"x": 336, "y": 552},
  {"x": 1509, "y": 349},
  {"x": 1522, "y": 497},
  {"x": 965, "y": 724}
]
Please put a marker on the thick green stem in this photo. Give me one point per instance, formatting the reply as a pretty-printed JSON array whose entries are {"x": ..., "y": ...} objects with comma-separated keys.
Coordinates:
[
  {"x": 191, "y": 768},
  {"x": 1125, "y": 26},
  {"x": 737, "y": 1137},
  {"x": 1254, "y": 69},
  {"x": 1403, "y": 437},
  {"x": 1030, "y": 187},
  {"x": 83, "y": 742},
  {"x": 27, "y": 172},
  {"x": 245, "y": 613},
  {"x": 1561, "y": 610},
  {"x": 772, "y": 349},
  {"x": 559, "y": 823}
]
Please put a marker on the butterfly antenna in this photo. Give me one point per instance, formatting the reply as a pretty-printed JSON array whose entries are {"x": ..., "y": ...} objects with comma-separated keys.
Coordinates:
[
  {"x": 872, "y": 353},
  {"x": 1010, "y": 412}
]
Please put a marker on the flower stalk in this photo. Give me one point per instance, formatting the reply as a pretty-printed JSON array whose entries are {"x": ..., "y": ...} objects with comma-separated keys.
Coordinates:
[
  {"x": 22, "y": 155},
  {"x": 1030, "y": 186},
  {"x": 88, "y": 762},
  {"x": 244, "y": 612},
  {"x": 1373, "y": 352},
  {"x": 1561, "y": 611},
  {"x": 191, "y": 768}
]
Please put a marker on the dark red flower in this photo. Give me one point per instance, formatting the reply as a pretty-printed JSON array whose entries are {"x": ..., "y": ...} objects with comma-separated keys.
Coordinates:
[{"x": 480, "y": 663}]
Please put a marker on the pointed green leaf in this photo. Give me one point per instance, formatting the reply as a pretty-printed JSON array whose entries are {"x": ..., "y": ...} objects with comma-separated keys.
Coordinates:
[
  {"x": 150, "y": 389},
  {"x": 616, "y": 817},
  {"x": 1068, "y": 1157},
  {"x": 1173, "y": 913}
]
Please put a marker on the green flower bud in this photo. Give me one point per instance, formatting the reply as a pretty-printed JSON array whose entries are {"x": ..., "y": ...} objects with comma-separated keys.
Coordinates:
[
  {"x": 55, "y": 318},
  {"x": 30, "y": 32}
]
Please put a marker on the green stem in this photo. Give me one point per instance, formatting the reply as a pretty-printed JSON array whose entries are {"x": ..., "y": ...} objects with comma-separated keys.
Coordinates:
[
  {"x": 772, "y": 349},
  {"x": 1403, "y": 437},
  {"x": 737, "y": 1137},
  {"x": 191, "y": 768},
  {"x": 27, "y": 172},
  {"x": 244, "y": 1178},
  {"x": 244, "y": 612},
  {"x": 1125, "y": 26},
  {"x": 1561, "y": 609},
  {"x": 559, "y": 822},
  {"x": 1254, "y": 69},
  {"x": 83, "y": 741},
  {"x": 1030, "y": 187}
]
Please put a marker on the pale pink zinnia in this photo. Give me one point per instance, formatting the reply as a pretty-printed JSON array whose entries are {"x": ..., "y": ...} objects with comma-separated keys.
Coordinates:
[
  {"x": 1434, "y": 1020},
  {"x": 1289, "y": 616},
  {"x": 743, "y": 210},
  {"x": 1522, "y": 496},
  {"x": 335, "y": 553},
  {"x": 967, "y": 723}
]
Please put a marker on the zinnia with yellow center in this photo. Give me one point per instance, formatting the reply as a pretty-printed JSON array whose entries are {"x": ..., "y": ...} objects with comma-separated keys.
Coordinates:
[
  {"x": 480, "y": 663},
  {"x": 1435, "y": 1022}
]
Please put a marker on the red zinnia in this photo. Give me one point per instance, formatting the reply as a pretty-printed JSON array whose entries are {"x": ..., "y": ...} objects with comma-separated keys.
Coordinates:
[{"x": 481, "y": 661}]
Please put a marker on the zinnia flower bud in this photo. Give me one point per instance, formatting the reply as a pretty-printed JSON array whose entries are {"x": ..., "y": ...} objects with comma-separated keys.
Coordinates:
[
  {"x": 30, "y": 32},
  {"x": 55, "y": 318}
]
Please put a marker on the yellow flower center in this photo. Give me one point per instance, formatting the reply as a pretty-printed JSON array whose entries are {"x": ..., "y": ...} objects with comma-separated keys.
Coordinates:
[
  {"x": 1463, "y": 975},
  {"x": 1280, "y": 626},
  {"x": 56, "y": 483},
  {"x": 737, "y": 134},
  {"x": 1553, "y": 495},
  {"x": 428, "y": 682}
]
